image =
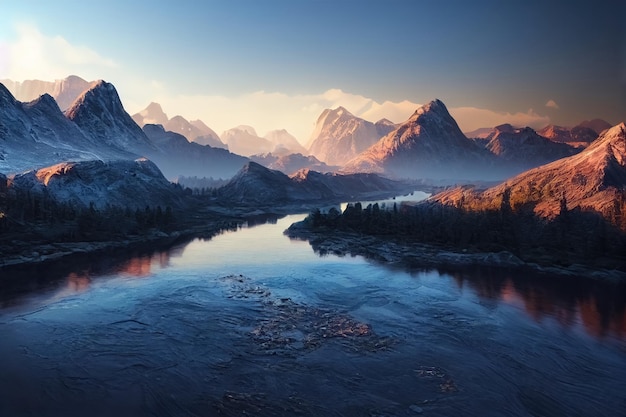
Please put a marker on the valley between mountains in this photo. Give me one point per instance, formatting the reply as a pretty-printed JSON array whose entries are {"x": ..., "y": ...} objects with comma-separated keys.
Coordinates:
[{"x": 78, "y": 173}]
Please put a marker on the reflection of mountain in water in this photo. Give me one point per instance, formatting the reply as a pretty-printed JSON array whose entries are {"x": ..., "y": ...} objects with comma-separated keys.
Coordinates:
[
  {"x": 77, "y": 273},
  {"x": 599, "y": 307}
]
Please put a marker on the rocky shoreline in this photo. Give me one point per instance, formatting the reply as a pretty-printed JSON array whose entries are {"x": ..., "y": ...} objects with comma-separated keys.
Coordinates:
[{"x": 419, "y": 255}]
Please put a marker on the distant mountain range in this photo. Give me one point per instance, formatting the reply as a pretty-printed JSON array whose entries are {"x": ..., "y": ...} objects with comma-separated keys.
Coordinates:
[
  {"x": 428, "y": 145},
  {"x": 578, "y": 136},
  {"x": 594, "y": 179},
  {"x": 244, "y": 140},
  {"x": 257, "y": 185},
  {"x": 524, "y": 148},
  {"x": 64, "y": 91},
  {"x": 195, "y": 130},
  {"x": 124, "y": 183},
  {"x": 340, "y": 136},
  {"x": 290, "y": 163},
  {"x": 96, "y": 126}
]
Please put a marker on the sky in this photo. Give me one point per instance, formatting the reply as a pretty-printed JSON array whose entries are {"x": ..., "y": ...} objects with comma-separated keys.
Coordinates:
[{"x": 277, "y": 64}]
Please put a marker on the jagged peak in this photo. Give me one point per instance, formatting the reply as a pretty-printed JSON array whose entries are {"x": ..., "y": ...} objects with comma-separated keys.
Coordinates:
[
  {"x": 334, "y": 114},
  {"x": 434, "y": 107},
  {"x": 101, "y": 90},
  {"x": 385, "y": 121},
  {"x": 179, "y": 118},
  {"x": 43, "y": 101},
  {"x": 5, "y": 95},
  {"x": 301, "y": 174},
  {"x": 241, "y": 128},
  {"x": 252, "y": 166},
  {"x": 74, "y": 78},
  {"x": 153, "y": 127},
  {"x": 505, "y": 127},
  {"x": 613, "y": 135},
  {"x": 154, "y": 105},
  {"x": 341, "y": 110}
]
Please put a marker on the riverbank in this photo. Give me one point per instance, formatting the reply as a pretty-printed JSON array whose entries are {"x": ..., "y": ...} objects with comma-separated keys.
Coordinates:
[{"x": 418, "y": 255}]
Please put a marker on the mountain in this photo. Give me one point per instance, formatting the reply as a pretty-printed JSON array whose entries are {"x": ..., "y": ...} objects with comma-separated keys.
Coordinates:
[
  {"x": 177, "y": 156},
  {"x": 580, "y": 136},
  {"x": 592, "y": 180},
  {"x": 428, "y": 145},
  {"x": 134, "y": 184},
  {"x": 523, "y": 148},
  {"x": 37, "y": 134},
  {"x": 384, "y": 127},
  {"x": 243, "y": 140},
  {"x": 256, "y": 185},
  {"x": 207, "y": 135},
  {"x": 64, "y": 91},
  {"x": 153, "y": 114},
  {"x": 597, "y": 125},
  {"x": 194, "y": 131},
  {"x": 339, "y": 136},
  {"x": 96, "y": 127},
  {"x": 99, "y": 111},
  {"x": 483, "y": 132},
  {"x": 291, "y": 163},
  {"x": 284, "y": 142}
]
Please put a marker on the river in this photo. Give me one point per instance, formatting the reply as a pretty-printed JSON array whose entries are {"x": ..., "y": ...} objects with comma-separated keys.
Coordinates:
[{"x": 253, "y": 323}]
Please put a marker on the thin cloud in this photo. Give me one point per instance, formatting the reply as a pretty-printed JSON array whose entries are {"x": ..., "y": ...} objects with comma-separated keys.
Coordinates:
[
  {"x": 34, "y": 55},
  {"x": 552, "y": 104},
  {"x": 472, "y": 118}
]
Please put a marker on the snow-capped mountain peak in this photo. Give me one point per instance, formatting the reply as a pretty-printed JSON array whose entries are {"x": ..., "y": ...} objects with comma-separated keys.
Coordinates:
[{"x": 99, "y": 110}]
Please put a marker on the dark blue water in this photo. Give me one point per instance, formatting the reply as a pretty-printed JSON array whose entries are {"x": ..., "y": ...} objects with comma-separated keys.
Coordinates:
[{"x": 253, "y": 323}]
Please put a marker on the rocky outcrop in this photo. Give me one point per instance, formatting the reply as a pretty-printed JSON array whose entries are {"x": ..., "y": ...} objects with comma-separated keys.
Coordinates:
[{"x": 133, "y": 184}]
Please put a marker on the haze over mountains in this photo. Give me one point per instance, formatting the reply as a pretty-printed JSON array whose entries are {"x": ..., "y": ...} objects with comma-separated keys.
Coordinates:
[
  {"x": 64, "y": 91},
  {"x": 96, "y": 126},
  {"x": 340, "y": 136},
  {"x": 594, "y": 179},
  {"x": 429, "y": 145},
  {"x": 255, "y": 184},
  {"x": 194, "y": 131},
  {"x": 524, "y": 148}
]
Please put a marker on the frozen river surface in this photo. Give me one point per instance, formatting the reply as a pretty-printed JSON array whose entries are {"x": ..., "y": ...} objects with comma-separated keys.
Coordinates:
[{"x": 253, "y": 323}]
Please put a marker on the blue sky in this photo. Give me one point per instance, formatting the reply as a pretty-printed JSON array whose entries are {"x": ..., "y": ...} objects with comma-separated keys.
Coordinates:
[{"x": 203, "y": 59}]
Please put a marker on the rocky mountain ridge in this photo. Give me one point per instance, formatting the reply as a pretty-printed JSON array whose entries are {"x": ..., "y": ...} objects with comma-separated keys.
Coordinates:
[
  {"x": 428, "y": 145},
  {"x": 256, "y": 185},
  {"x": 594, "y": 179},
  {"x": 339, "y": 136},
  {"x": 195, "y": 130}
]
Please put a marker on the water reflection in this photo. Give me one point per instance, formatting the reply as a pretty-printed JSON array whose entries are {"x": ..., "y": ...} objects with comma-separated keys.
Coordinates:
[
  {"x": 598, "y": 306},
  {"x": 23, "y": 284}
]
